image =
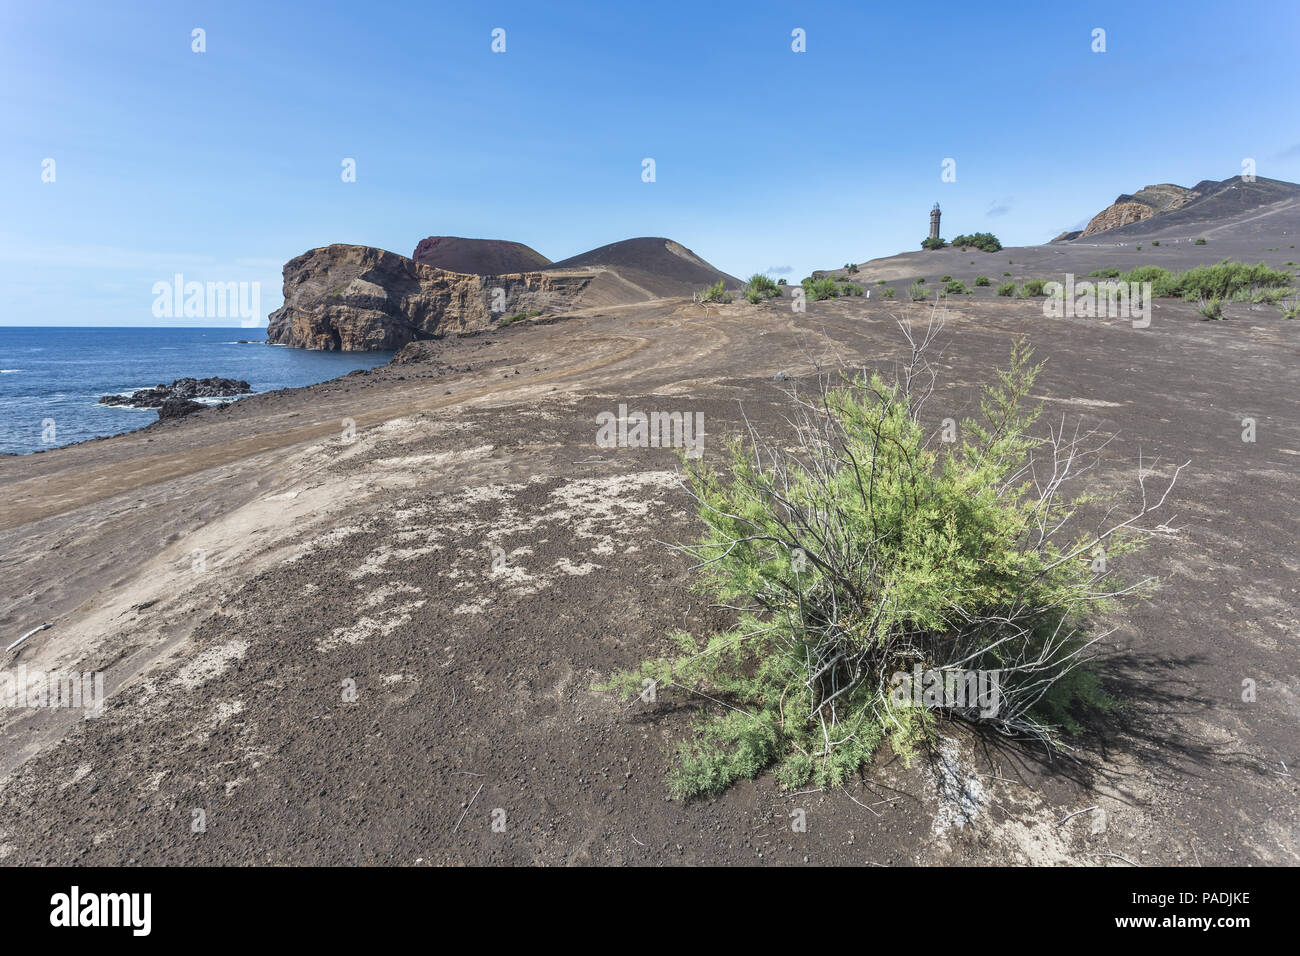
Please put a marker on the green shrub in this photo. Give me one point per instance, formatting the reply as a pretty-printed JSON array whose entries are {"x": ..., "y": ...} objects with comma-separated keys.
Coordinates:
[
  {"x": 1210, "y": 308},
  {"x": 1105, "y": 273},
  {"x": 954, "y": 287},
  {"x": 983, "y": 241},
  {"x": 888, "y": 293},
  {"x": 519, "y": 316},
  {"x": 917, "y": 291},
  {"x": 1199, "y": 242},
  {"x": 1291, "y": 306},
  {"x": 1226, "y": 280},
  {"x": 760, "y": 287},
  {"x": 945, "y": 278},
  {"x": 865, "y": 552},
  {"x": 715, "y": 293},
  {"x": 1032, "y": 288},
  {"x": 1155, "y": 242},
  {"x": 850, "y": 289},
  {"x": 851, "y": 268},
  {"x": 821, "y": 288},
  {"x": 1007, "y": 288},
  {"x": 928, "y": 243},
  {"x": 983, "y": 280},
  {"x": 1006, "y": 273}
]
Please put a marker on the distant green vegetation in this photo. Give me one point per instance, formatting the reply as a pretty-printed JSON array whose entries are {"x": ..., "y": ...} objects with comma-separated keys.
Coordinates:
[
  {"x": 954, "y": 287},
  {"x": 851, "y": 268},
  {"x": 1155, "y": 242},
  {"x": 982, "y": 280},
  {"x": 1032, "y": 288},
  {"x": 1199, "y": 242},
  {"x": 1226, "y": 280},
  {"x": 917, "y": 290},
  {"x": 821, "y": 288},
  {"x": 888, "y": 293},
  {"x": 928, "y": 243},
  {"x": 761, "y": 287},
  {"x": 983, "y": 241},
  {"x": 715, "y": 293},
  {"x": 945, "y": 278},
  {"x": 850, "y": 288},
  {"x": 1007, "y": 288},
  {"x": 518, "y": 316},
  {"x": 1210, "y": 308}
]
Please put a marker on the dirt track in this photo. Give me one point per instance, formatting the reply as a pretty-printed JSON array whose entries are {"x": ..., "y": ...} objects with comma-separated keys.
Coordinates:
[{"x": 325, "y": 561}]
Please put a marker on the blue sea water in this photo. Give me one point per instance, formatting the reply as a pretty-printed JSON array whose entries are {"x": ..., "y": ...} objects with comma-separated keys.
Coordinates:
[{"x": 58, "y": 375}]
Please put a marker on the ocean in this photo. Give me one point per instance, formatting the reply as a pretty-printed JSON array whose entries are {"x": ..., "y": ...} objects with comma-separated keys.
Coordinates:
[{"x": 51, "y": 379}]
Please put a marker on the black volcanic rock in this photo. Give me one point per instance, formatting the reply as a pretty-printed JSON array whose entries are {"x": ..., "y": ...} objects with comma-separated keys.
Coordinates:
[
  {"x": 185, "y": 389},
  {"x": 178, "y": 408}
]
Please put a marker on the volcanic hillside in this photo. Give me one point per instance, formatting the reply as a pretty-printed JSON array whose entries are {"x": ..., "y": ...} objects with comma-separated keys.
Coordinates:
[
  {"x": 484, "y": 257},
  {"x": 658, "y": 267},
  {"x": 1173, "y": 211}
]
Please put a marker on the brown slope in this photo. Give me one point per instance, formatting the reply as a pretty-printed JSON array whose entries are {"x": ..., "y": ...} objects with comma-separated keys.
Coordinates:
[
  {"x": 487, "y": 257},
  {"x": 659, "y": 266}
]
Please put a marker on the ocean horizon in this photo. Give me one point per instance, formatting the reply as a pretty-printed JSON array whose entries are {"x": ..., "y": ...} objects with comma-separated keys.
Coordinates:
[{"x": 52, "y": 377}]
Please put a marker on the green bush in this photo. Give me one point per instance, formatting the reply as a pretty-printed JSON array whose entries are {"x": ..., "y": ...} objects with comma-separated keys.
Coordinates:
[
  {"x": 917, "y": 290},
  {"x": 520, "y": 316},
  {"x": 870, "y": 550},
  {"x": 821, "y": 288},
  {"x": 850, "y": 289},
  {"x": 983, "y": 280},
  {"x": 760, "y": 287},
  {"x": 1210, "y": 308},
  {"x": 928, "y": 243},
  {"x": 983, "y": 241},
  {"x": 1007, "y": 288},
  {"x": 1199, "y": 242},
  {"x": 954, "y": 287},
  {"x": 1032, "y": 288},
  {"x": 1155, "y": 242},
  {"x": 889, "y": 293},
  {"x": 1105, "y": 273},
  {"x": 715, "y": 293},
  {"x": 945, "y": 278}
]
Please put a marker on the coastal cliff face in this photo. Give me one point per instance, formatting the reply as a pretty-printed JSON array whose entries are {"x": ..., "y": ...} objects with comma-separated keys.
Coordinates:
[
  {"x": 1126, "y": 209},
  {"x": 358, "y": 298}
]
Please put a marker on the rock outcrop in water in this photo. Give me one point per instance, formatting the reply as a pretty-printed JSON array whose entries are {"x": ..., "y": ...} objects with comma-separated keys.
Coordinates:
[
  {"x": 183, "y": 389},
  {"x": 356, "y": 298}
]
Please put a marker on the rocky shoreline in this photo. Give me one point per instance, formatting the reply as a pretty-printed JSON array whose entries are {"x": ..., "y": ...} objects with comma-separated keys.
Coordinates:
[{"x": 179, "y": 398}]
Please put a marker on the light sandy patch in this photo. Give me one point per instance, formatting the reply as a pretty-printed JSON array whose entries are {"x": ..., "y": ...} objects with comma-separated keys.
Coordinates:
[
  {"x": 224, "y": 710},
  {"x": 369, "y": 627},
  {"x": 210, "y": 663},
  {"x": 385, "y": 593},
  {"x": 476, "y": 606}
]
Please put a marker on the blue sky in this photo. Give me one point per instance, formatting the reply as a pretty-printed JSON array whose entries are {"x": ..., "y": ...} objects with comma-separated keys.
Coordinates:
[{"x": 221, "y": 165}]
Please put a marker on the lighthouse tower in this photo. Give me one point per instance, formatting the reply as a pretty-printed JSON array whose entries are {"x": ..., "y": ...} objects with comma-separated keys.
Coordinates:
[{"x": 934, "y": 222}]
